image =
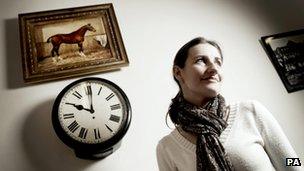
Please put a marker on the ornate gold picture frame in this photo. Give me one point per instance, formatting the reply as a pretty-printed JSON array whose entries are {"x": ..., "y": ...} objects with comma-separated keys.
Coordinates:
[{"x": 70, "y": 42}]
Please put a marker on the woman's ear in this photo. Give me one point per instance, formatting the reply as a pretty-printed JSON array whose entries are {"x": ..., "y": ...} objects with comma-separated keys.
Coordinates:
[{"x": 177, "y": 72}]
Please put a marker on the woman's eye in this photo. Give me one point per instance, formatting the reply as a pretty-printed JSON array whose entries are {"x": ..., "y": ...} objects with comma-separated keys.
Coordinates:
[
  {"x": 200, "y": 60},
  {"x": 219, "y": 63}
]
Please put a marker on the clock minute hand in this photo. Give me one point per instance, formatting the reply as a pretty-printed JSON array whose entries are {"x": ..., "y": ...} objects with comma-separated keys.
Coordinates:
[
  {"x": 79, "y": 107},
  {"x": 91, "y": 109},
  {"x": 90, "y": 100}
]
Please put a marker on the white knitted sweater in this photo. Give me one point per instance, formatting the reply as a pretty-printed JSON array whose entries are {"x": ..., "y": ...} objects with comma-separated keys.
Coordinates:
[{"x": 253, "y": 141}]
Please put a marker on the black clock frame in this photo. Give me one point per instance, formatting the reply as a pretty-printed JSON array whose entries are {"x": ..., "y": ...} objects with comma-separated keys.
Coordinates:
[{"x": 86, "y": 149}]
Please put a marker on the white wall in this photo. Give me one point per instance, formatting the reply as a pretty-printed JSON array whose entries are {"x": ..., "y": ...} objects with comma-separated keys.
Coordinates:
[{"x": 152, "y": 32}]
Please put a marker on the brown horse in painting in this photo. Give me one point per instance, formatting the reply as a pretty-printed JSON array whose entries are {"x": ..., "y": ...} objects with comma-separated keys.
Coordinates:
[{"x": 71, "y": 38}]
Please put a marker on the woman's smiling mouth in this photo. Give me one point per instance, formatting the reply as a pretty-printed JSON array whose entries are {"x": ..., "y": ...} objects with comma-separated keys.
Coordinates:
[{"x": 213, "y": 78}]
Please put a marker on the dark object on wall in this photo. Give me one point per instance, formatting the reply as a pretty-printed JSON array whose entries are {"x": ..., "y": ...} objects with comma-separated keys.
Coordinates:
[
  {"x": 286, "y": 52},
  {"x": 91, "y": 116},
  {"x": 70, "y": 42}
]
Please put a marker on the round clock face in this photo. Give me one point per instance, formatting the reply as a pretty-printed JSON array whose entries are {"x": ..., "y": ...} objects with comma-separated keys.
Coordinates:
[{"x": 92, "y": 111}]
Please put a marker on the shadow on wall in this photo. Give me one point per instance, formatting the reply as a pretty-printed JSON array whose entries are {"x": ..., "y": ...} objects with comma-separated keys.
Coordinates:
[
  {"x": 13, "y": 55},
  {"x": 279, "y": 15},
  {"x": 43, "y": 148}
]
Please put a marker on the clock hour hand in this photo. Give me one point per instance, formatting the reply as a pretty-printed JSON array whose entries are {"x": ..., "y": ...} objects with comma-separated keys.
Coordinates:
[{"x": 79, "y": 107}]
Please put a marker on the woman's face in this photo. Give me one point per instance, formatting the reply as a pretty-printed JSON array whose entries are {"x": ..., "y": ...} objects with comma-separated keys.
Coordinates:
[{"x": 201, "y": 77}]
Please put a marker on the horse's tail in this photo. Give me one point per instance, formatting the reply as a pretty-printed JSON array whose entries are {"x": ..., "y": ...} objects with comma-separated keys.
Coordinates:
[{"x": 49, "y": 39}]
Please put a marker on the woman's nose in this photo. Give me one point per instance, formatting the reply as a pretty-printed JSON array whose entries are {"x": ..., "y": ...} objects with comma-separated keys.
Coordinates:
[{"x": 212, "y": 69}]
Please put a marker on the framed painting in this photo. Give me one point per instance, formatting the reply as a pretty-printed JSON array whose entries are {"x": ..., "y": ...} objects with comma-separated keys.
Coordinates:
[
  {"x": 286, "y": 52},
  {"x": 70, "y": 42}
]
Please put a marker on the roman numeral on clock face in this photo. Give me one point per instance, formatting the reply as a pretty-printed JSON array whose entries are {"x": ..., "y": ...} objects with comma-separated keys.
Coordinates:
[
  {"x": 99, "y": 91},
  {"x": 89, "y": 90},
  {"x": 115, "y": 107},
  {"x": 108, "y": 128},
  {"x": 97, "y": 133},
  {"x": 73, "y": 126},
  {"x": 110, "y": 96},
  {"x": 114, "y": 118},
  {"x": 68, "y": 116},
  {"x": 77, "y": 94},
  {"x": 83, "y": 133}
]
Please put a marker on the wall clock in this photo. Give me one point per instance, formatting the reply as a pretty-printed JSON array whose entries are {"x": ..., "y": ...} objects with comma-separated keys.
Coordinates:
[{"x": 91, "y": 116}]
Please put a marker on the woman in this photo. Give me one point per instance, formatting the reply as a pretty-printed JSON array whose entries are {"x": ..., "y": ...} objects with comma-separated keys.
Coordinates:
[{"x": 211, "y": 135}]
